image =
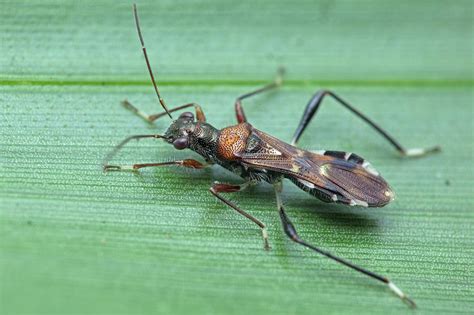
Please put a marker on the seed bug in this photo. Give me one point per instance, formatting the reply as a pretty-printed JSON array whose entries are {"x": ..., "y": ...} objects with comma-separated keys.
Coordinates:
[{"x": 331, "y": 176}]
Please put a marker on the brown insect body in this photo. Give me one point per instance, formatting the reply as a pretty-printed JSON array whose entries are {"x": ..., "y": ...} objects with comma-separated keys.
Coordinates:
[{"x": 331, "y": 176}]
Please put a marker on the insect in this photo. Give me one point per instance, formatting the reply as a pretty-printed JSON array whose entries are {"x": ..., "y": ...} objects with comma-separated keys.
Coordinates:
[{"x": 331, "y": 176}]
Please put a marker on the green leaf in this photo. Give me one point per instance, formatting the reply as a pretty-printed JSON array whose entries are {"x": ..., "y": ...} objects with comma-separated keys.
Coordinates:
[{"x": 74, "y": 240}]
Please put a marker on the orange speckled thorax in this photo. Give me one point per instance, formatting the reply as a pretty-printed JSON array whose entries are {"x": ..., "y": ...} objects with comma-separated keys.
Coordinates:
[{"x": 232, "y": 140}]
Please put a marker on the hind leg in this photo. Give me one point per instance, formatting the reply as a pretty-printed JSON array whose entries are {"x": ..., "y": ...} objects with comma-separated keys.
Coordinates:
[
  {"x": 314, "y": 104},
  {"x": 151, "y": 118}
]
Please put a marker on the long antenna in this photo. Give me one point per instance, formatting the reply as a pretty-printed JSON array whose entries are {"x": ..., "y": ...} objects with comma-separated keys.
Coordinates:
[{"x": 162, "y": 101}]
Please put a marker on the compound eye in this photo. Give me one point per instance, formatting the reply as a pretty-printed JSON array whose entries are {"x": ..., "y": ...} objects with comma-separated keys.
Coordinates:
[
  {"x": 181, "y": 143},
  {"x": 187, "y": 116}
]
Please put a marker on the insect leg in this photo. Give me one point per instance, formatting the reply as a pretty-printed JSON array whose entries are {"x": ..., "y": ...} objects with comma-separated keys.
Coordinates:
[
  {"x": 290, "y": 231},
  {"x": 315, "y": 103},
  {"x": 186, "y": 163},
  {"x": 119, "y": 146},
  {"x": 227, "y": 188},
  {"x": 151, "y": 118},
  {"x": 239, "y": 111}
]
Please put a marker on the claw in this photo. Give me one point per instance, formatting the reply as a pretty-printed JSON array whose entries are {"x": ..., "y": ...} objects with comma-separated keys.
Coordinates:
[{"x": 409, "y": 302}]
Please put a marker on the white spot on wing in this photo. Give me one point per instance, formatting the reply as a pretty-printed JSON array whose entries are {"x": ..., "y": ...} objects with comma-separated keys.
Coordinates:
[
  {"x": 273, "y": 151},
  {"x": 323, "y": 170},
  {"x": 390, "y": 194},
  {"x": 356, "y": 202},
  {"x": 347, "y": 155},
  {"x": 334, "y": 198},
  {"x": 369, "y": 168},
  {"x": 320, "y": 152}
]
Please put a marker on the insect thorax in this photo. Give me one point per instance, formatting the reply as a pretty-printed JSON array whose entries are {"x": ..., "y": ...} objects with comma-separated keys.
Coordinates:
[{"x": 204, "y": 141}]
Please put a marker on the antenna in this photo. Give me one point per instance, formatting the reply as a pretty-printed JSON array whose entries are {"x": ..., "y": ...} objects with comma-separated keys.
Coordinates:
[{"x": 162, "y": 101}]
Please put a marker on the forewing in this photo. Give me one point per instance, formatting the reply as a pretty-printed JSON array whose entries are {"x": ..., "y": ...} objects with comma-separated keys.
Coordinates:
[{"x": 352, "y": 181}]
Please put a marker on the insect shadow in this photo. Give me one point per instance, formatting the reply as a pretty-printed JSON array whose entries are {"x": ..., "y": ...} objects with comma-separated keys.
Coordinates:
[{"x": 359, "y": 220}]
